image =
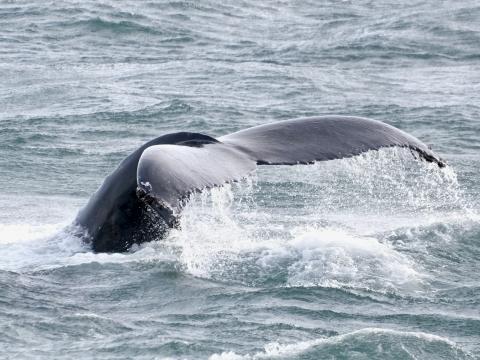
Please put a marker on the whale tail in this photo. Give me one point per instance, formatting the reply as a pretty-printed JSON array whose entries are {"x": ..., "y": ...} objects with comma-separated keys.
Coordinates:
[
  {"x": 143, "y": 197},
  {"x": 172, "y": 172}
]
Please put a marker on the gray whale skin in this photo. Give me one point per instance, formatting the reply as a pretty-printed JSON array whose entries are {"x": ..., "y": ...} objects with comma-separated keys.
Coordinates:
[{"x": 142, "y": 199}]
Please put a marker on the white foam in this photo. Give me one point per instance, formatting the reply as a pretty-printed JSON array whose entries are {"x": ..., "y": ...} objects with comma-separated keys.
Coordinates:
[
  {"x": 32, "y": 247},
  {"x": 28, "y": 247},
  {"x": 215, "y": 243},
  {"x": 335, "y": 258},
  {"x": 142, "y": 254},
  {"x": 16, "y": 233}
]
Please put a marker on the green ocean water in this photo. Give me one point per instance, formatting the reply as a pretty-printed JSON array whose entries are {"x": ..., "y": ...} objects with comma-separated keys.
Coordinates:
[{"x": 373, "y": 257}]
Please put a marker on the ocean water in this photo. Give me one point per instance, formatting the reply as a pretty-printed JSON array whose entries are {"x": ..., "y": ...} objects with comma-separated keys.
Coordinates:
[{"x": 373, "y": 257}]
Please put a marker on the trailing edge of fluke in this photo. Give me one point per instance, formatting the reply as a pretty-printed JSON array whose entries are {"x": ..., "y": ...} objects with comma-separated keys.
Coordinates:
[{"x": 142, "y": 199}]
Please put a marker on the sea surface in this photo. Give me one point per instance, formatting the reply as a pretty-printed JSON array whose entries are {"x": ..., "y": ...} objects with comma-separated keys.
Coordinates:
[{"x": 373, "y": 257}]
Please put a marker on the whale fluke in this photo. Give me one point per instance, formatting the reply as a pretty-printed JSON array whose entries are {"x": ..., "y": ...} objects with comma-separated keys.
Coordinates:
[
  {"x": 143, "y": 197},
  {"x": 169, "y": 173},
  {"x": 304, "y": 141}
]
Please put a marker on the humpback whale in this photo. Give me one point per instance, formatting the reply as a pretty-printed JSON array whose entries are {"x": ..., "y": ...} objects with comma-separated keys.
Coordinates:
[{"x": 143, "y": 197}]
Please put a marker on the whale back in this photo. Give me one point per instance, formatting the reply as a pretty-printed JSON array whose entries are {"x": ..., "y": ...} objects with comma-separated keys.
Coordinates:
[{"x": 114, "y": 217}]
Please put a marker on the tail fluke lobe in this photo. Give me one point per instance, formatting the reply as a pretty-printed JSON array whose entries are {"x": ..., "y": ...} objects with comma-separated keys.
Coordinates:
[{"x": 304, "y": 141}]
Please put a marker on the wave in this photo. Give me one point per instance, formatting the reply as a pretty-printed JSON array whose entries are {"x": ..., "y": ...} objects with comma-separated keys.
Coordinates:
[
  {"x": 99, "y": 24},
  {"x": 367, "y": 343}
]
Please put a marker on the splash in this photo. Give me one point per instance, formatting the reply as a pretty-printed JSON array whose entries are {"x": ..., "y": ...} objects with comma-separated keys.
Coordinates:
[{"x": 326, "y": 225}]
